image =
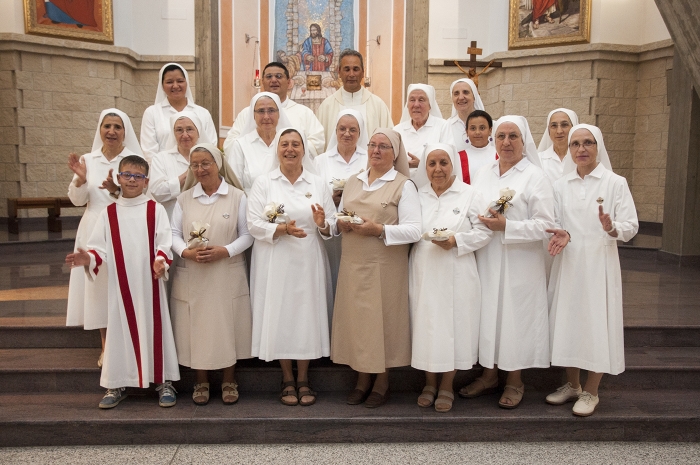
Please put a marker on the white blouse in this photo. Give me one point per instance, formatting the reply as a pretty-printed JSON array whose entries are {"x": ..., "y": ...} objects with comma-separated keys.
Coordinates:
[
  {"x": 331, "y": 165},
  {"x": 250, "y": 158},
  {"x": 164, "y": 186}
]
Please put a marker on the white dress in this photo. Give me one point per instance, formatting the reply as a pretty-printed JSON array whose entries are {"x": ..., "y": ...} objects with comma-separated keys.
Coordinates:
[
  {"x": 552, "y": 165},
  {"x": 514, "y": 330},
  {"x": 444, "y": 287},
  {"x": 140, "y": 348},
  {"x": 86, "y": 303},
  {"x": 164, "y": 186},
  {"x": 250, "y": 158},
  {"x": 585, "y": 289},
  {"x": 289, "y": 276}
]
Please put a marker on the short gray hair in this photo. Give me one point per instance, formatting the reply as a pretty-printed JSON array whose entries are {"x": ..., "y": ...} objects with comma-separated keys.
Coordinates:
[{"x": 348, "y": 52}]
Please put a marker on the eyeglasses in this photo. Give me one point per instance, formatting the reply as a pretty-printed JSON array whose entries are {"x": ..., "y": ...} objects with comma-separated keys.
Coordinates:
[
  {"x": 127, "y": 176},
  {"x": 556, "y": 126},
  {"x": 276, "y": 76},
  {"x": 511, "y": 137},
  {"x": 205, "y": 166},
  {"x": 266, "y": 111},
  {"x": 342, "y": 130},
  {"x": 381, "y": 147},
  {"x": 587, "y": 144},
  {"x": 188, "y": 131}
]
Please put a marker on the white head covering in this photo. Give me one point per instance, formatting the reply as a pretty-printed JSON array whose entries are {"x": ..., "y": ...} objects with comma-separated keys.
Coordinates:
[
  {"x": 449, "y": 148},
  {"x": 172, "y": 142},
  {"x": 546, "y": 141},
  {"x": 306, "y": 162},
  {"x": 364, "y": 137},
  {"x": 430, "y": 92},
  {"x": 400, "y": 156},
  {"x": 283, "y": 121},
  {"x": 130, "y": 140},
  {"x": 603, "y": 156},
  {"x": 478, "y": 104},
  {"x": 160, "y": 93},
  {"x": 529, "y": 149}
]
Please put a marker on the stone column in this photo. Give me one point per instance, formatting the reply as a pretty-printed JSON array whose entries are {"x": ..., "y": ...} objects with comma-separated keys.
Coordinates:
[
  {"x": 206, "y": 26},
  {"x": 417, "y": 12}
]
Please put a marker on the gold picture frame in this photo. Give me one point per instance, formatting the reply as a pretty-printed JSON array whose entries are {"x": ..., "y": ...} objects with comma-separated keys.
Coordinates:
[
  {"x": 559, "y": 22},
  {"x": 89, "y": 20}
]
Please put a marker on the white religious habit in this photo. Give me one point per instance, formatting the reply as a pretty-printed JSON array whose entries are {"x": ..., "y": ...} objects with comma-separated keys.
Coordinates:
[
  {"x": 300, "y": 116},
  {"x": 373, "y": 109},
  {"x": 444, "y": 286},
  {"x": 585, "y": 289},
  {"x": 155, "y": 125},
  {"x": 128, "y": 237},
  {"x": 552, "y": 165}
]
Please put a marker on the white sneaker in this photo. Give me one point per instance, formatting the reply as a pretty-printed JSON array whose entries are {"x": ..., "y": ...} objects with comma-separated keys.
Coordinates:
[
  {"x": 585, "y": 405},
  {"x": 564, "y": 394}
]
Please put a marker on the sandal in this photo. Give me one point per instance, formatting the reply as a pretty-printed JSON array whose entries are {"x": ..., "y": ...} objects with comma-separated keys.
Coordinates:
[
  {"x": 444, "y": 400},
  {"x": 477, "y": 388},
  {"x": 514, "y": 399},
  {"x": 427, "y": 397},
  {"x": 201, "y": 397},
  {"x": 289, "y": 390},
  {"x": 229, "y": 393},
  {"x": 306, "y": 393}
]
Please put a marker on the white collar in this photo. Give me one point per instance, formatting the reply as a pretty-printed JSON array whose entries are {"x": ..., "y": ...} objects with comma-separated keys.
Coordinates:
[
  {"x": 520, "y": 166},
  {"x": 198, "y": 191},
  {"x": 597, "y": 172},
  {"x": 277, "y": 174},
  {"x": 388, "y": 176},
  {"x": 130, "y": 202}
]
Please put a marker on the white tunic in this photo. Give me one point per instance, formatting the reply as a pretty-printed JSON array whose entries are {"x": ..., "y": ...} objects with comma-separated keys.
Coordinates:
[
  {"x": 585, "y": 290},
  {"x": 250, "y": 158},
  {"x": 86, "y": 303},
  {"x": 514, "y": 330},
  {"x": 552, "y": 165},
  {"x": 301, "y": 117},
  {"x": 289, "y": 276},
  {"x": 444, "y": 286},
  {"x": 477, "y": 158},
  {"x": 138, "y": 318},
  {"x": 459, "y": 132},
  {"x": 156, "y": 130},
  {"x": 164, "y": 186}
]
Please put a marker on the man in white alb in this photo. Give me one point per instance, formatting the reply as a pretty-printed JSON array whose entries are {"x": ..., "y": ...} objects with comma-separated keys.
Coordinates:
[{"x": 276, "y": 80}]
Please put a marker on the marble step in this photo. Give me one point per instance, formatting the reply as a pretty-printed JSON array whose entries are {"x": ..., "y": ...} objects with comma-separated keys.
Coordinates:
[
  {"x": 62, "y": 370},
  {"x": 50, "y": 419}
]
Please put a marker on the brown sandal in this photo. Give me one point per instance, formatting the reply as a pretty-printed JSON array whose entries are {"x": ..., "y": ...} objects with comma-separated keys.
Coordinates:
[
  {"x": 514, "y": 399},
  {"x": 306, "y": 393},
  {"x": 477, "y": 388},
  {"x": 289, "y": 390}
]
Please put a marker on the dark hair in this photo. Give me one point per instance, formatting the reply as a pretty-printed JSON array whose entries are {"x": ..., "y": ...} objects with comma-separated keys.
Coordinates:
[
  {"x": 291, "y": 130},
  {"x": 348, "y": 52},
  {"x": 320, "y": 31},
  {"x": 134, "y": 160},
  {"x": 172, "y": 68},
  {"x": 276, "y": 64},
  {"x": 480, "y": 114},
  {"x": 111, "y": 114}
]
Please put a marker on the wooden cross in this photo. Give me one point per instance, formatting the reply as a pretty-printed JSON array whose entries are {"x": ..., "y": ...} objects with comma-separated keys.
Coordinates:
[{"x": 473, "y": 63}]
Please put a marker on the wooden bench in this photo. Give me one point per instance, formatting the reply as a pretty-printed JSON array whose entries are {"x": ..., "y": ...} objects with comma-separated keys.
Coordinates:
[{"x": 52, "y": 204}]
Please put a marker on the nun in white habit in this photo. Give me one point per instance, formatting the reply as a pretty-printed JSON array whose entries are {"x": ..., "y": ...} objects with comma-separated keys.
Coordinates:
[
  {"x": 444, "y": 286},
  {"x": 172, "y": 95},
  {"x": 514, "y": 331},
  {"x": 252, "y": 154},
  {"x": 554, "y": 145},
  {"x": 594, "y": 210},
  {"x": 422, "y": 124}
]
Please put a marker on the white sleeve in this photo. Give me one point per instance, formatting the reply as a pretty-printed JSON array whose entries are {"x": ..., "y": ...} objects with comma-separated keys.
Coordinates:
[
  {"x": 161, "y": 188},
  {"x": 208, "y": 127},
  {"x": 329, "y": 210},
  {"x": 97, "y": 246},
  {"x": 244, "y": 239},
  {"x": 408, "y": 229},
  {"x": 235, "y": 131},
  {"x": 149, "y": 140},
  {"x": 179, "y": 244},
  {"x": 79, "y": 195},
  {"x": 164, "y": 239},
  {"x": 258, "y": 226},
  {"x": 315, "y": 134},
  {"x": 479, "y": 235},
  {"x": 237, "y": 163},
  {"x": 625, "y": 214},
  {"x": 540, "y": 208}
]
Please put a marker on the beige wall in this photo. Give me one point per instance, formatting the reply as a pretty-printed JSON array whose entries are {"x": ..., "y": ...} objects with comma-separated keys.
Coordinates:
[
  {"x": 621, "y": 89},
  {"x": 51, "y": 94}
]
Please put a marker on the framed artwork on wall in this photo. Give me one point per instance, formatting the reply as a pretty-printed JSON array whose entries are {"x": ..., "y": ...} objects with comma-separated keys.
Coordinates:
[
  {"x": 546, "y": 23},
  {"x": 89, "y": 20}
]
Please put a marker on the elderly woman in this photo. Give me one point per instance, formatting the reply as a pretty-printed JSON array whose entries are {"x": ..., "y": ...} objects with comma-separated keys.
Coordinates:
[
  {"x": 210, "y": 303},
  {"x": 514, "y": 330},
  {"x": 173, "y": 95},
  {"x": 422, "y": 124},
  {"x": 555, "y": 142},
  {"x": 444, "y": 287},
  {"x": 594, "y": 209},
  {"x": 480, "y": 150},
  {"x": 252, "y": 154},
  {"x": 371, "y": 330},
  {"x": 93, "y": 185},
  {"x": 169, "y": 169},
  {"x": 290, "y": 211}
]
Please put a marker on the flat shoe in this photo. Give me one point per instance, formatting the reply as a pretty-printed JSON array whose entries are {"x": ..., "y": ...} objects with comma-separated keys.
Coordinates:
[
  {"x": 201, "y": 398},
  {"x": 306, "y": 393},
  {"x": 356, "y": 397},
  {"x": 444, "y": 400},
  {"x": 515, "y": 399},
  {"x": 427, "y": 396},
  {"x": 477, "y": 388},
  {"x": 289, "y": 390},
  {"x": 376, "y": 399},
  {"x": 229, "y": 393},
  {"x": 585, "y": 405}
]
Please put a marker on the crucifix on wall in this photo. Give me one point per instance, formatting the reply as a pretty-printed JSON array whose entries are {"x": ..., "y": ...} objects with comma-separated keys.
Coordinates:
[{"x": 473, "y": 63}]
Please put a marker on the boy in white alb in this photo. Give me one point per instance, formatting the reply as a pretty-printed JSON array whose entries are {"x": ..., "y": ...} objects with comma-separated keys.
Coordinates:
[{"x": 132, "y": 239}]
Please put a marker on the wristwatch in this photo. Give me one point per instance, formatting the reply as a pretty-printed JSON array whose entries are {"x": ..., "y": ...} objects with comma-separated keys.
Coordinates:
[{"x": 383, "y": 235}]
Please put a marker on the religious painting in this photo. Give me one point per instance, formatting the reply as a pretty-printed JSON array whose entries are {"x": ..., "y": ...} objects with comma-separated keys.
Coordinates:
[
  {"x": 308, "y": 36},
  {"x": 546, "y": 23},
  {"x": 73, "y": 19}
]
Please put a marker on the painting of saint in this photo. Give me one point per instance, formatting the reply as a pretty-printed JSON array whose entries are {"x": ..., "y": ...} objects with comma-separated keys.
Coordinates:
[
  {"x": 78, "y": 12},
  {"x": 548, "y": 22},
  {"x": 316, "y": 52},
  {"x": 76, "y": 19}
]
